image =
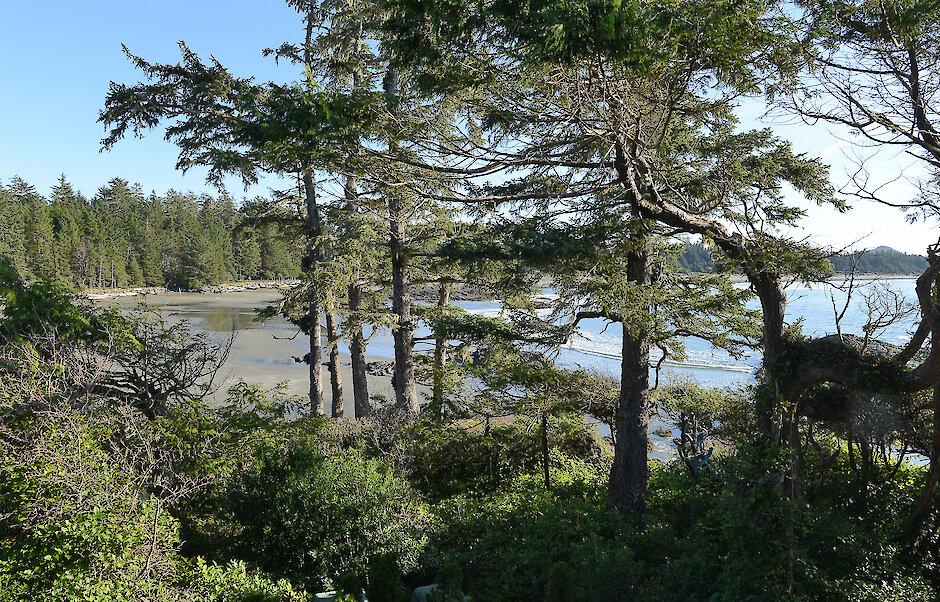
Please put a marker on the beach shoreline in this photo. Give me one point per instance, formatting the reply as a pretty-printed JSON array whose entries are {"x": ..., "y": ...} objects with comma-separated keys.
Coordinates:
[
  {"x": 419, "y": 293},
  {"x": 264, "y": 354}
]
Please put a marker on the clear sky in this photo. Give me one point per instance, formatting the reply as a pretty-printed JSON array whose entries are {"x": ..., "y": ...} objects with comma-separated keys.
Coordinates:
[{"x": 57, "y": 59}]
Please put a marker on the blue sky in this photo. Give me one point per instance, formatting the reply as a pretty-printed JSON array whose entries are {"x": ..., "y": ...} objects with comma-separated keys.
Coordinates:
[
  {"x": 56, "y": 62},
  {"x": 57, "y": 59}
]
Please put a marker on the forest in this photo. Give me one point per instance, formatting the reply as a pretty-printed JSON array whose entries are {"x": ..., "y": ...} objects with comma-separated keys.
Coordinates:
[
  {"x": 121, "y": 238},
  {"x": 595, "y": 148},
  {"x": 124, "y": 238}
]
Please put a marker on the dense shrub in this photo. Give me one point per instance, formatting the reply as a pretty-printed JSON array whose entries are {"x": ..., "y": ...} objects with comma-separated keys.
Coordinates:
[
  {"x": 510, "y": 541},
  {"x": 447, "y": 459},
  {"x": 235, "y": 582},
  {"x": 76, "y": 525},
  {"x": 507, "y": 541},
  {"x": 79, "y": 525},
  {"x": 312, "y": 517}
]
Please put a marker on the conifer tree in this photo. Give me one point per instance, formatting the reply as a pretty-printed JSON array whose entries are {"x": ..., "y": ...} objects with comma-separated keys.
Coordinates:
[
  {"x": 12, "y": 231},
  {"x": 64, "y": 208},
  {"x": 37, "y": 230},
  {"x": 606, "y": 114}
]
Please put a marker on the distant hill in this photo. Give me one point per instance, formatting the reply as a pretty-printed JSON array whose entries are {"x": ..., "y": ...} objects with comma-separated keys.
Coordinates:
[{"x": 882, "y": 260}]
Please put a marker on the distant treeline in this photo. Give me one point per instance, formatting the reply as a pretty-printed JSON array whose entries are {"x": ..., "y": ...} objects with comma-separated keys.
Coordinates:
[
  {"x": 883, "y": 260},
  {"x": 124, "y": 238}
]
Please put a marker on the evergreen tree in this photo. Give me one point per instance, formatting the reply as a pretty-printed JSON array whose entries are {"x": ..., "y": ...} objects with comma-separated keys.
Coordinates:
[
  {"x": 12, "y": 231},
  {"x": 613, "y": 115},
  {"x": 37, "y": 230},
  {"x": 297, "y": 128},
  {"x": 65, "y": 210}
]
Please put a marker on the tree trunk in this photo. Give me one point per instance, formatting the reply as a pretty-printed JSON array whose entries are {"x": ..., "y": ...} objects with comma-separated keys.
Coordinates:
[
  {"x": 357, "y": 353},
  {"x": 357, "y": 342},
  {"x": 336, "y": 376},
  {"x": 315, "y": 358},
  {"x": 440, "y": 355},
  {"x": 627, "y": 488},
  {"x": 406, "y": 392},
  {"x": 933, "y": 473},
  {"x": 545, "y": 467},
  {"x": 773, "y": 301}
]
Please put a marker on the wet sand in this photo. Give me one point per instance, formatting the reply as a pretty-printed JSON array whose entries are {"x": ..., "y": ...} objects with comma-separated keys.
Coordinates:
[{"x": 262, "y": 353}]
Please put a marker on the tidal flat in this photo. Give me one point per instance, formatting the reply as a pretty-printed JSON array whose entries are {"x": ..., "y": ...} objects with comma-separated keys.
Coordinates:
[{"x": 262, "y": 353}]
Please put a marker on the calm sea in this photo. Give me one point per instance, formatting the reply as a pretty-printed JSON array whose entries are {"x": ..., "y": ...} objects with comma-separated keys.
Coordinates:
[{"x": 598, "y": 348}]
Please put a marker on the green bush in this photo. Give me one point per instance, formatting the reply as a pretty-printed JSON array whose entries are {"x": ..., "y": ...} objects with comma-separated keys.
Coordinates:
[
  {"x": 312, "y": 517},
  {"x": 455, "y": 457},
  {"x": 385, "y": 580},
  {"x": 235, "y": 582},
  {"x": 80, "y": 526},
  {"x": 846, "y": 546},
  {"x": 507, "y": 541}
]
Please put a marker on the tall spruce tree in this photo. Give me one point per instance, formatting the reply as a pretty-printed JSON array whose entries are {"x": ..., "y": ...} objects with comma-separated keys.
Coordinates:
[
  {"x": 326, "y": 123},
  {"x": 295, "y": 128}
]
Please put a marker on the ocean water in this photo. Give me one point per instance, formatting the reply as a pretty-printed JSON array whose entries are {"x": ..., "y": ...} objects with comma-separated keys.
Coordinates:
[{"x": 597, "y": 344}]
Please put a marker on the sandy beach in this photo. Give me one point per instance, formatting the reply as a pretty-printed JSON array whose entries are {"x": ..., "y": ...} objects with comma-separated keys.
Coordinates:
[{"x": 262, "y": 354}]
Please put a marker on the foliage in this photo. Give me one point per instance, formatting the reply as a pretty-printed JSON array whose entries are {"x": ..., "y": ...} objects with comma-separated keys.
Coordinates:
[
  {"x": 726, "y": 414},
  {"x": 507, "y": 541},
  {"x": 75, "y": 527},
  {"x": 122, "y": 238},
  {"x": 459, "y": 457},
  {"x": 88, "y": 484},
  {"x": 510, "y": 542},
  {"x": 312, "y": 517},
  {"x": 235, "y": 582},
  {"x": 88, "y": 499},
  {"x": 385, "y": 579},
  {"x": 42, "y": 308},
  {"x": 82, "y": 522}
]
